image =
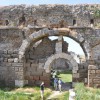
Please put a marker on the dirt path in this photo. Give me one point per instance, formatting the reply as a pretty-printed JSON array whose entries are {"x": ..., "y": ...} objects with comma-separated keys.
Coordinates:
[
  {"x": 65, "y": 87},
  {"x": 55, "y": 93}
]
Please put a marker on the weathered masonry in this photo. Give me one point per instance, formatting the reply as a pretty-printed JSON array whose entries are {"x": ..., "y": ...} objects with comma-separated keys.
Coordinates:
[{"x": 27, "y": 54}]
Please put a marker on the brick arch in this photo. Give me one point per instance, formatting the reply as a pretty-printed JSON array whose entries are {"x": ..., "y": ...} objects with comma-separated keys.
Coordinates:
[
  {"x": 54, "y": 32},
  {"x": 60, "y": 55}
]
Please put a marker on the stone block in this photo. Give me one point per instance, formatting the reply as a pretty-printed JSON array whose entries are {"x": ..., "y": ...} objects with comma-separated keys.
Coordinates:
[
  {"x": 34, "y": 66},
  {"x": 8, "y": 64},
  {"x": 73, "y": 62},
  {"x": 33, "y": 72},
  {"x": 5, "y": 51},
  {"x": 15, "y": 51},
  {"x": 82, "y": 71},
  {"x": 18, "y": 73},
  {"x": 78, "y": 79},
  {"x": 36, "y": 77},
  {"x": 31, "y": 82},
  {"x": 75, "y": 68},
  {"x": 92, "y": 67},
  {"x": 1, "y": 51},
  {"x": 98, "y": 71},
  {"x": 91, "y": 85},
  {"x": 96, "y": 81},
  {"x": 19, "y": 83},
  {"x": 41, "y": 65},
  {"x": 25, "y": 82},
  {"x": 74, "y": 71},
  {"x": 31, "y": 78},
  {"x": 36, "y": 73},
  {"x": 27, "y": 64},
  {"x": 47, "y": 70},
  {"x": 91, "y": 71},
  {"x": 85, "y": 80},
  {"x": 27, "y": 73},
  {"x": 37, "y": 83},
  {"x": 1, "y": 59},
  {"x": 10, "y": 51},
  {"x": 40, "y": 69},
  {"x": 92, "y": 75},
  {"x": 15, "y": 59},
  {"x": 14, "y": 55},
  {"x": 33, "y": 69},
  {"x": 21, "y": 69},
  {"x": 17, "y": 64},
  {"x": 11, "y": 68},
  {"x": 5, "y": 60},
  {"x": 27, "y": 77},
  {"x": 8, "y": 56},
  {"x": 47, "y": 83},
  {"x": 90, "y": 80},
  {"x": 83, "y": 75},
  {"x": 76, "y": 75},
  {"x": 44, "y": 78},
  {"x": 20, "y": 60},
  {"x": 16, "y": 69},
  {"x": 81, "y": 39},
  {"x": 97, "y": 75},
  {"x": 46, "y": 74},
  {"x": 42, "y": 60}
]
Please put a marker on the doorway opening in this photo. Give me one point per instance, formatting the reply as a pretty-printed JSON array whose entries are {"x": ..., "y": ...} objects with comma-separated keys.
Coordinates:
[{"x": 62, "y": 69}]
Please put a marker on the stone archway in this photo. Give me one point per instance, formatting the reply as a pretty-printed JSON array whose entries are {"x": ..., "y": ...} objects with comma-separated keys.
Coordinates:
[
  {"x": 54, "y": 32},
  {"x": 60, "y": 55},
  {"x": 34, "y": 37},
  {"x": 64, "y": 56}
]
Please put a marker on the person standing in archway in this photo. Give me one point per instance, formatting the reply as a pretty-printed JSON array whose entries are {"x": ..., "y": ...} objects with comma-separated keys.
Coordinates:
[
  {"x": 55, "y": 83},
  {"x": 59, "y": 84}
]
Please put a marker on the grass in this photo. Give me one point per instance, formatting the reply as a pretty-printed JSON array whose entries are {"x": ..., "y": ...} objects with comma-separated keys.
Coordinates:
[
  {"x": 23, "y": 94},
  {"x": 86, "y": 93},
  {"x": 65, "y": 76},
  {"x": 29, "y": 93}
]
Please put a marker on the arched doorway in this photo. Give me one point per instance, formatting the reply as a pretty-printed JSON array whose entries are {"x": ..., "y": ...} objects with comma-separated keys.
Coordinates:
[
  {"x": 41, "y": 71},
  {"x": 56, "y": 32},
  {"x": 62, "y": 69},
  {"x": 73, "y": 66}
]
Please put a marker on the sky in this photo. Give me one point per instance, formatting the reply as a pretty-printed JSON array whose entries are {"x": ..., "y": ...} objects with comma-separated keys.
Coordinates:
[
  {"x": 72, "y": 45},
  {"x": 36, "y": 2}
]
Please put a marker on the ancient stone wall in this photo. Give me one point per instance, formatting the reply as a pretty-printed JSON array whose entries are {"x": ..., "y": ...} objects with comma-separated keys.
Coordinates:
[
  {"x": 94, "y": 75},
  {"x": 45, "y": 15},
  {"x": 10, "y": 38},
  {"x": 25, "y": 47},
  {"x": 82, "y": 73},
  {"x": 10, "y": 68}
]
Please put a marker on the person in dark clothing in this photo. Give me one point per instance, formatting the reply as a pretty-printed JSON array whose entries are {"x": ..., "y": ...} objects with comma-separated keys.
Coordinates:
[{"x": 42, "y": 89}]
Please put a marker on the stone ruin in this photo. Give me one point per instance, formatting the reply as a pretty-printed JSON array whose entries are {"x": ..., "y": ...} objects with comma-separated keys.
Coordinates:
[{"x": 27, "y": 54}]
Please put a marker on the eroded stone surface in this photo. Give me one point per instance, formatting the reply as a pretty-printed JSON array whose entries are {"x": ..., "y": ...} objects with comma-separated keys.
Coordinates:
[{"x": 26, "y": 52}]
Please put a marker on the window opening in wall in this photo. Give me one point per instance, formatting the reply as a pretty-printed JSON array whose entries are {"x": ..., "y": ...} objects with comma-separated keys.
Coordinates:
[
  {"x": 74, "y": 22},
  {"x": 35, "y": 22},
  {"x": 22, "y": 20},
  {"x": 23, "y": 34},
  {"x": 1, "y": 22},
  {"x": 6, "y": 22},
  {"x": 91, "y": 21}
]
